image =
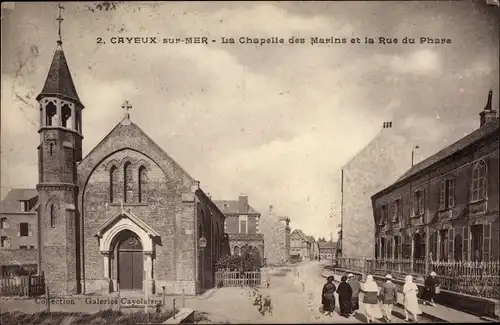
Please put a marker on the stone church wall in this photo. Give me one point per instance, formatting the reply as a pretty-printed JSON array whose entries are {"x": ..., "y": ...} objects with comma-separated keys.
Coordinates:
[{"x": 163, "y": 210}]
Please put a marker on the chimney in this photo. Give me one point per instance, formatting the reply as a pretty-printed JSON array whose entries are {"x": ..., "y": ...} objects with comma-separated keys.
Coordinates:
[
  {"x": 243, "y": 204},
  {"x": 271, "y": 208},
  {"x": 387, "y": 125},
  {"x": 488, "y": 114}
]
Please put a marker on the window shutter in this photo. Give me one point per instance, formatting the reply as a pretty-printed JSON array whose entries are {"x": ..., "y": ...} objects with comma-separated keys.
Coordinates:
[
  {"x": 486, "y": 242},
  {"x": 451, "y": 193},
  {"x": 19, "y": 231},
  {"x": 442, "y": 194},
  {"x": 421, "y": 203},
  {"x": 30, "y": 233},
  {"x": 400, "y": 241},
  {"x": 465, "y": 243},
  {"x": 451, "y": 242}
]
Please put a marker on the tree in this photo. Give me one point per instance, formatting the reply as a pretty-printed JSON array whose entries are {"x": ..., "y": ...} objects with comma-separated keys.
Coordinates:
[{"x": 248, "y": 260}]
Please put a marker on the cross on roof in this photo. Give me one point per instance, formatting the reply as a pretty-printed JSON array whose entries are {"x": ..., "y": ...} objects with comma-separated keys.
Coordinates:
[
  {"x": 127, "y": 107},
  {"x": 59, "y": 20}
]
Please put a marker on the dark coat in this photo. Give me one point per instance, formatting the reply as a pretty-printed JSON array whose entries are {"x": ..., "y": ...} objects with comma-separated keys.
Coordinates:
[
  {"x": 430, "y": 285},
  {"x": 328, "y": 297},
  {"x": 345, "y": 291}
]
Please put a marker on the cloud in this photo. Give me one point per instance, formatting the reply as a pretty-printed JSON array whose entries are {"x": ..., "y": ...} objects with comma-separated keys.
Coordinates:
[
  {"x": 276, "y": 122},
  {"x": 422, "y": 63}
]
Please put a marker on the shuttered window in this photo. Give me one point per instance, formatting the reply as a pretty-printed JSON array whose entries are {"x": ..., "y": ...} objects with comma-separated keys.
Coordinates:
[
  {"x": 451, "y": 243},
  {"x": 450, "y": 192},
  {"x": 486, "y": 242},
  {"x": 465, "y": 245},
  {"x": 442, "y": 195}
]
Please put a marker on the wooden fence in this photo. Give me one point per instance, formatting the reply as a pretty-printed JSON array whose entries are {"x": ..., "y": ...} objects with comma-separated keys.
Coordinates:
[
  {"x": 237, "y": 279},
  {"x": 32, "y": 285},
  {"x": 474, "y": 278}
]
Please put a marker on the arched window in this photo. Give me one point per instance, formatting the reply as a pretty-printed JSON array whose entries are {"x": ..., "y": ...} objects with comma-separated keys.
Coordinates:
[
  {"x": 113, "y": 184},
  {"x": 142, "y": 183},
  {"x": 52, "y": 216},
  {"x": 66, "y": 119},
  {"x": 479, "y": 181},
  {"x": 127, "y": 182},
  {"x": 51, "y": 114}
]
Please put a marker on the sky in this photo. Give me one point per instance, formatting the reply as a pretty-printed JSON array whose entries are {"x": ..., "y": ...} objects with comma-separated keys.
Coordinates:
[{"x": 275, "y": 122}]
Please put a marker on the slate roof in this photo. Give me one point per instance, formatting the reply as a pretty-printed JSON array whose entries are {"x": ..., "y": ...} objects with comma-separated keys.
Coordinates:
[
  {"x": 233, "y": 207},
  {"x": 10, "y": 203},
  {"x": 468, "y": 141},
  {"x": 327, "y": 245},
  {"x": 301, "y": 234},
  {"x": 59, "y": 80}
]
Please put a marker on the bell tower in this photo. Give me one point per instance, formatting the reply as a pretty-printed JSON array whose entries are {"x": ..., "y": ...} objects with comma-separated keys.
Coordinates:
[{"x": 58, "y": 153}]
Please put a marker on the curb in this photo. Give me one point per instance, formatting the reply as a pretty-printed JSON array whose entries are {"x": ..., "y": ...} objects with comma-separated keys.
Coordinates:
[{"x": 431, "y": 317}]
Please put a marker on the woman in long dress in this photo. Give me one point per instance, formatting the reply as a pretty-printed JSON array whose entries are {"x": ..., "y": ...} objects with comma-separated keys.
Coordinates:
[
  {"x": 370, "y": 300},
  {"x": 431, "y": 286},
  {"x": 328, "y": 296},
  {"x": 410, "y": 292},
  {"x": 345, "y": 293}
]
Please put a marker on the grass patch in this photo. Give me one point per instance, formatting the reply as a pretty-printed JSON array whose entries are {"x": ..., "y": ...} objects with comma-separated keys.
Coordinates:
[{"x": 100, "y": 318}]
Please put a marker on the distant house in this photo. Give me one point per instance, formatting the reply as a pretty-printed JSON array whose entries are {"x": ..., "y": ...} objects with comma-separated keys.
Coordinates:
[
  {"x": 242, "y": 225},
  {"x": 276, "y": 231},
  {"x": 300, "y": 245},
  {"x": 327, "y": 250},
  {"x": 314, "y": 248},
  {"x": 18, "y": 224}
]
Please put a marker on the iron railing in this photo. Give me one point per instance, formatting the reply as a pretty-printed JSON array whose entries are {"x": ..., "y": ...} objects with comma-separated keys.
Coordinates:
[{"x": 474, "y": 278}]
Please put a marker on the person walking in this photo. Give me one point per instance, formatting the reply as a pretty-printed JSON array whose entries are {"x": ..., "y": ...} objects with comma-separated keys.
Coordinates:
[
  {"x": 410, "y": 291},
  {"x": 431, "y": 288},
  {"x": 345, "y": 294},
  {"x": 370, "y": 300},
  {"x": 328, "y": 296},
  {"x": 388, "y": 295},
  {"x": 355, "y": 287}
]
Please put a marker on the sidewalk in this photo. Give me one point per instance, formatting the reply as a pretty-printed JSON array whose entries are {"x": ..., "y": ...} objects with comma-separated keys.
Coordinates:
[{"x": 438, "y": 313}]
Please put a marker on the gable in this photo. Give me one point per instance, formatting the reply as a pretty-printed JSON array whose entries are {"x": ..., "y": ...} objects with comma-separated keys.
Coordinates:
[
  {"x": 11, "y": 203},
  {"x": 127, "y": 135}
]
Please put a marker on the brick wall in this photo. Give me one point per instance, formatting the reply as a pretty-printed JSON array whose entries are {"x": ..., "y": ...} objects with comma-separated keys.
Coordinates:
[
  {"x": 13, "y": 230},
  {"x": 233, "y": 224},
  {"x": 460, "y": 170}
]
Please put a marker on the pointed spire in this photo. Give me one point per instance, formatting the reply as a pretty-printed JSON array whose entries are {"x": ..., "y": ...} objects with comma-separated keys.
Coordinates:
[{"x": 59, "y": 81}]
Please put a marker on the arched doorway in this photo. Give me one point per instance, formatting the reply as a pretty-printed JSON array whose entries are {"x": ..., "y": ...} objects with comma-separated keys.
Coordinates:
[{"x": 130, "y": 261}]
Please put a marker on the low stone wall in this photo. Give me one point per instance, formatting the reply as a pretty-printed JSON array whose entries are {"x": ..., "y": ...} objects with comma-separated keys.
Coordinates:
[{"x": 475, "y": 305}]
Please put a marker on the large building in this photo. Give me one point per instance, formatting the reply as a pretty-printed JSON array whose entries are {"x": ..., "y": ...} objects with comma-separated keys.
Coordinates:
[
  {"x": 376, "y": 166},
  {"x": 276, "y": 231},
  {"x": 242, "y": 225},
  {"x": 327, "y": 250},
  {"x": 125, "y": 217},
  {"x": 445, "y": 207},
  {"x": 300, "y": 245}
]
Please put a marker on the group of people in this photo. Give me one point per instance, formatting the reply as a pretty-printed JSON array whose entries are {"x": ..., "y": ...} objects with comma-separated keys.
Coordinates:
[{"x": 349, "y": 289}]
